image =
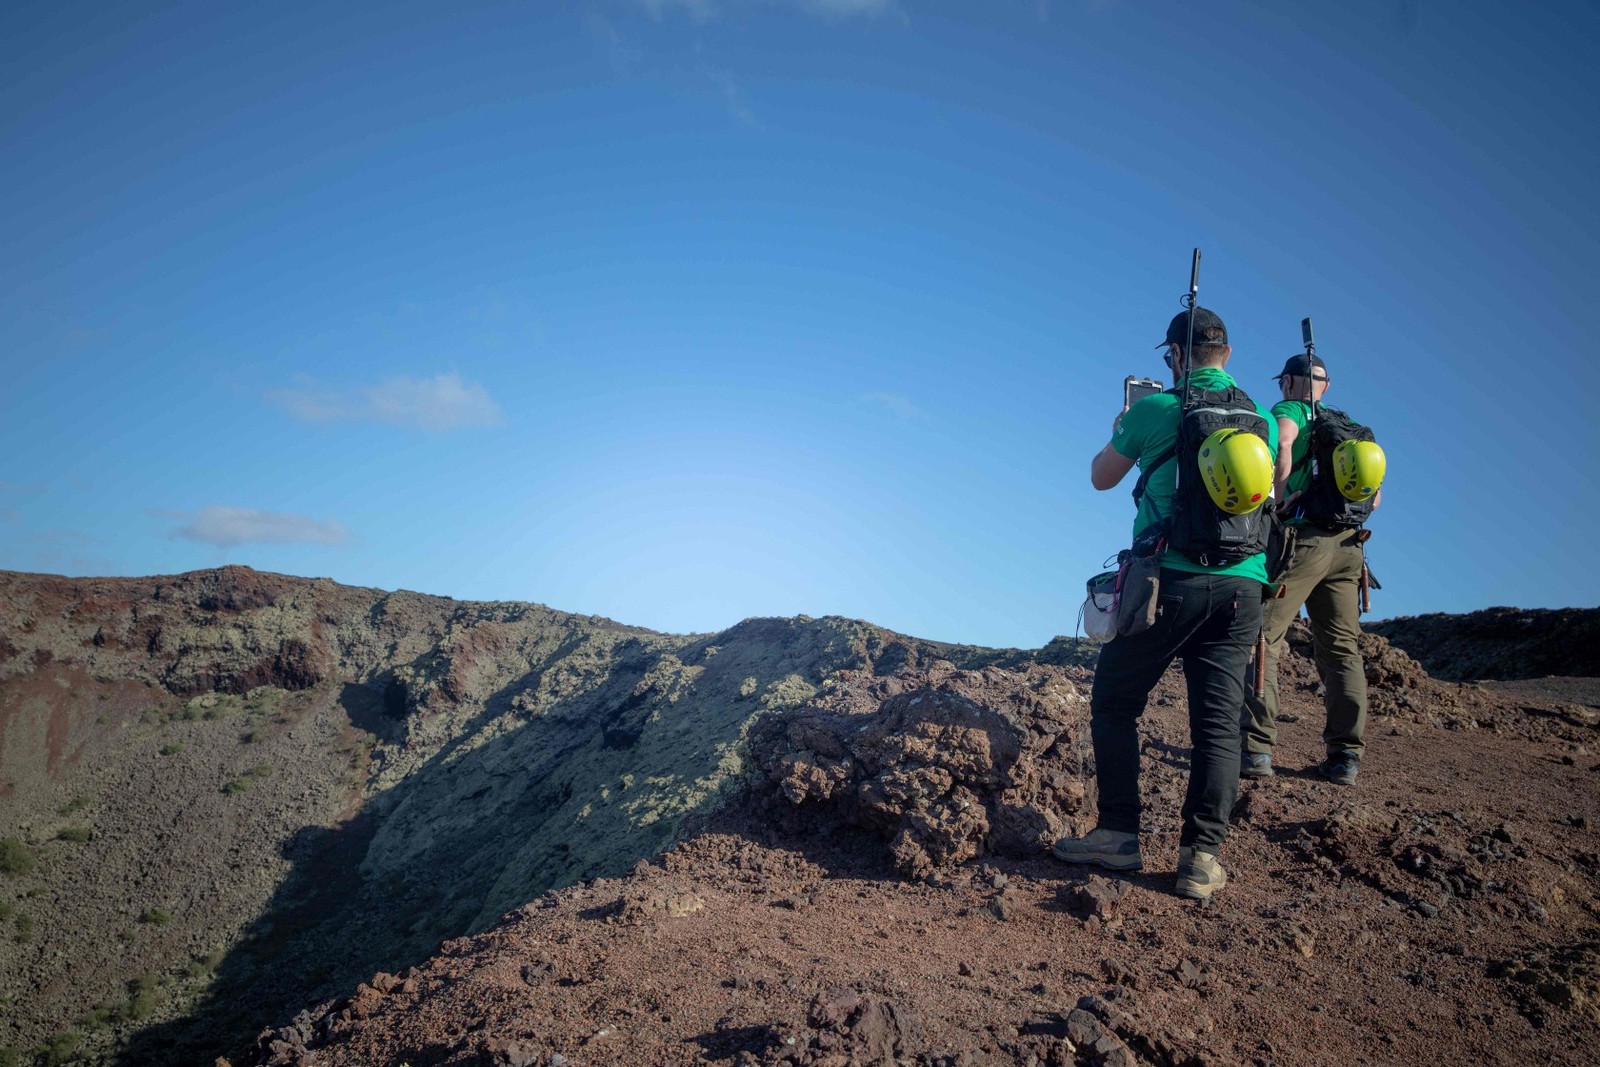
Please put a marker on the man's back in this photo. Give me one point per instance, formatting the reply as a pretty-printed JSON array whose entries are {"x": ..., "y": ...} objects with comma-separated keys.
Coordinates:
[{"x": 1146, "y": 433}]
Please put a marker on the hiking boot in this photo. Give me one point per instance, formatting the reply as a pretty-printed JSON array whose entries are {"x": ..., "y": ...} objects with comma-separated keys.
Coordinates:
[
  {"x": 1340, "y": 768},
  {"x": 1199, "y": 874},
  {"x": 1256, "y": 765},
  {"x": 1111, "y": 849}
]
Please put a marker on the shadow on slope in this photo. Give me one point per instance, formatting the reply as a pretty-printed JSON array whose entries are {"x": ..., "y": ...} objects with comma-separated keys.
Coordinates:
[{"x": 527, "y": 795}]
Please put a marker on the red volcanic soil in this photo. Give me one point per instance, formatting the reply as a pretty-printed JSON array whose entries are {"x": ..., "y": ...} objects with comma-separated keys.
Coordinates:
[{"x": 1444, "y": 909}]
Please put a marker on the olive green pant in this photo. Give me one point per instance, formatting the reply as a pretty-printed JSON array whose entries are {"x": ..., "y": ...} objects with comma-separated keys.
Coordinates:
[{"x": 1324, "y": 574}]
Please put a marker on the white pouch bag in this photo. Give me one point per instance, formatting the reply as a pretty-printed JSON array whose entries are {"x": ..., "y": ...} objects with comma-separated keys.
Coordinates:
[{"x": 1099, "y": 611}]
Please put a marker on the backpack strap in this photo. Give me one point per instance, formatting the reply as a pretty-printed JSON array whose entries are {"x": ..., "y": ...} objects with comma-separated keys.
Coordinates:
[{"x": 1144, "y": 475}]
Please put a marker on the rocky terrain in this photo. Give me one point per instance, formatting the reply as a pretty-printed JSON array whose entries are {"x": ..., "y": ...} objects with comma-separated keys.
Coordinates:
[
  {"x": 279, "y": 820},
  {"x": 1500, "y": 643}
]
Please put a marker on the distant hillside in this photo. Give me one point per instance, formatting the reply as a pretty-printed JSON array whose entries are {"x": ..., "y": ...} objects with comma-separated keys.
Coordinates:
[{"x": 1500, "y": 643}]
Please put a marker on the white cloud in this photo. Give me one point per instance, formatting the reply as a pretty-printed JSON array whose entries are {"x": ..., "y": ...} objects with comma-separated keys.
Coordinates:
[
  {"x": 436, "y": 404},
  {"x": 704, "y": 10},
  {"x": 220, "y": 525},
  {"x": 444, "y": 402},
  {"x": 846, "y": 7}
]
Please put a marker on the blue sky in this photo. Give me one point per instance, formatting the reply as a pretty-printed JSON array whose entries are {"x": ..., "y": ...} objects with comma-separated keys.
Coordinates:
[{"x": 682, "y": 311}]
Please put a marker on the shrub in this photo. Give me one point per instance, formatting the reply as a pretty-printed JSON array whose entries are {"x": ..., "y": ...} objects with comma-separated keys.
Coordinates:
[
  {"x": 59, "y": 1050},
  {"x": 100, "y": 1016},
  {"x": 156, "y": 916},
  {"x": 24, "y": 928},
  {"x": 172, "y": 749},
  {"x": 76, "y": 834},
  {"x": 15, "y": 857},
  {"x": 76, "y": 805},
  {"x": 241, "y": 783},
  {"x": 5, "y": 910},
  {"x": 142, "y": 997}
]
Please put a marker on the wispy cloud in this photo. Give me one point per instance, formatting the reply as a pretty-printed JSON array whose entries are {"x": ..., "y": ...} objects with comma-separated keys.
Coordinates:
[
  {"x": 437, "y": 404},
  {"x": 225, "y": 526},
  {"x": 844, "y": 7},
  {"x": 896, "y": 403},
  {"x": 704, "y": 10}
]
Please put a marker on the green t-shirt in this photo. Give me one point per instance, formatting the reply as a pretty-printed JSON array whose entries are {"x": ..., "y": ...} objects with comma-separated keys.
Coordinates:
[
  {"x": 1148, "y": 429},
  {"x": 1299, "y": 413}
]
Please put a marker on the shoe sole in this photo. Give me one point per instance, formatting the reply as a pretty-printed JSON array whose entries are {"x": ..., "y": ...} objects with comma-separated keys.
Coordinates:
[
  {"x": 1116, "y": 863},
  {"x": 1258, "y": 774}
]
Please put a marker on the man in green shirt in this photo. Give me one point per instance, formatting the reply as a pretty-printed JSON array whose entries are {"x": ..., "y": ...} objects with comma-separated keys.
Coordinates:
[
  {"x": 1209, "y": 615},
  {"x": 1324, "y": 574}
]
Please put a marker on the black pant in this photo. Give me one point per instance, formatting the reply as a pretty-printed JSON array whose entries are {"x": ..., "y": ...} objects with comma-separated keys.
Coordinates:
[{"x": 1212, "y": 621}]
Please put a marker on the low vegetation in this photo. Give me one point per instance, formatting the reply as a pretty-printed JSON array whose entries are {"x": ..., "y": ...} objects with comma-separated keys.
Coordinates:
[
  {"x": 247, "y": 778},
  {"x": 75, "y": 834},
  {"x": 143, "y": 997},
  {"x": 59, "y": 1050},
  {"x": 16, "y": 858}
]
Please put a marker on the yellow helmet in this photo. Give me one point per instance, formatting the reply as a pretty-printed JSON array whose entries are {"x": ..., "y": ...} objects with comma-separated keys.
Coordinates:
[
  {"x": 1358, "y": 469},
  {"x": 1237, "y": 470}
]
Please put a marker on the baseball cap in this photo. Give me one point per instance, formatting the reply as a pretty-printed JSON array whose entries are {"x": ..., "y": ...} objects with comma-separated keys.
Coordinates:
[
  {"x": 1204, "y": 319},
  {"x": 1301, "y": 365}
]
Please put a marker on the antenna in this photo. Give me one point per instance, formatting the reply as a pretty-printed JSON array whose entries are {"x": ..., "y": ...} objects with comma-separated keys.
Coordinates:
[
  {"x": 1310, "y": 341},
  {"x": 1191, "y": 300}
]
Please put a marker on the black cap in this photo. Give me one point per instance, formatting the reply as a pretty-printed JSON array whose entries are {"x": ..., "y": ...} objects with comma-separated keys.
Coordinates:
[
  {"x": 1300, "y": 366},
  {"x": 1204, "y": 319}
]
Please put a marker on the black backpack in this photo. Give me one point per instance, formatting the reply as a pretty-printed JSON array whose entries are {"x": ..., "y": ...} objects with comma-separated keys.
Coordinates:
[
  {"x": 1322, "y": 504},
  {"x": 1197, "y": 527}
]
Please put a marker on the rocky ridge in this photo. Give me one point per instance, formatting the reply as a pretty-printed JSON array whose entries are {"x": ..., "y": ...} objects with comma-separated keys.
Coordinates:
[
  {"x": 265, "y": 786},
  {"x": 843, "y": 823},
  {"x": 1500, "y": 643}
]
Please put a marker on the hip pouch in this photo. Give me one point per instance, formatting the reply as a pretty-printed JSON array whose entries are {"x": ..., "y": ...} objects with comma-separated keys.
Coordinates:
[
  {"x": 1099, "y": 610},
  {"x": 1138, "y": 592}
]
